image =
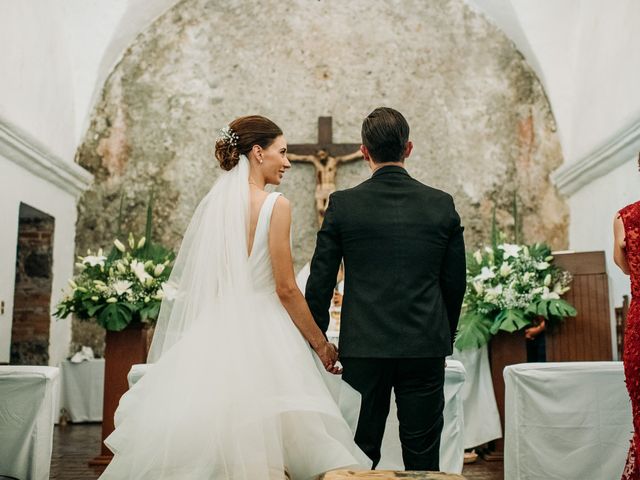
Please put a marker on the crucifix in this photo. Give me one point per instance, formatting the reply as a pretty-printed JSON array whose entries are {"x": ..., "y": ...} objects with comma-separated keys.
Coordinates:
[{"x": 325, "y": 156}]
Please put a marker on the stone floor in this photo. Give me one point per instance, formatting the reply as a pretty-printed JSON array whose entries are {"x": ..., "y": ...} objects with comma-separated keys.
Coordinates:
[{"x": 75, "y": 445}]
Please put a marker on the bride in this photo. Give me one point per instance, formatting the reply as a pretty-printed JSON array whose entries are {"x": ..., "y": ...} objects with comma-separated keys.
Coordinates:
[{"x": 242, "y": 383}]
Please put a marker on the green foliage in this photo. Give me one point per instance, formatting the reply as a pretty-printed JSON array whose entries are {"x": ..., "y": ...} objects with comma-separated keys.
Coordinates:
[
  {"x": 510, "y": 287},
  {"x": 127, "y": 285}
]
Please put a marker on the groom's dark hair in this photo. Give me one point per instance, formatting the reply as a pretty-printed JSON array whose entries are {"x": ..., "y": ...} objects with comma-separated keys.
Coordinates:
[{"x": 385, "y": 133}]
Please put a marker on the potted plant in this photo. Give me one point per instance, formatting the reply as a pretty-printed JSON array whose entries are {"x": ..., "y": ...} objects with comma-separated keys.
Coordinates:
[{"x": 122, "y": 292}]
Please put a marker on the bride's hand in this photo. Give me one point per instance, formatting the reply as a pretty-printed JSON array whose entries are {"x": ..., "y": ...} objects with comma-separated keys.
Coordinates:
[{"x": 328, "y": 354}]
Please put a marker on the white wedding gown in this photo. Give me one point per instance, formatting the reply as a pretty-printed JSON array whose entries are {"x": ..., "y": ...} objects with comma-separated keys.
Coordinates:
[{"x": 239, "y": 396}]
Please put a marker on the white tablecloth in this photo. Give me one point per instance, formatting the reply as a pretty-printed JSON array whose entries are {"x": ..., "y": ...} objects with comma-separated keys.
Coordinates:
[
  {"x": 82, "y": 389},
  {"x": 28, "y": 396},
  {"x": 566, "y": 421},
  {"x": 451, "y": 448},
  {"x": 481, "y": 417}
]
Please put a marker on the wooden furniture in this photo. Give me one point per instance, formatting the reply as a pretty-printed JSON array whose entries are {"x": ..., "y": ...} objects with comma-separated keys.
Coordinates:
[
  {"x": 586, "y": 337},
  {"x": 388, "y": 475},
  {"x": 621, "y": 324},
  {"x": 122, "y": 350}
]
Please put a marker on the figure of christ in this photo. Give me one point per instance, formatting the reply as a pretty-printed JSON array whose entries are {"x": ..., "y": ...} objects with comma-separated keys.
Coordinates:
[{"x": 326, "y": 169}]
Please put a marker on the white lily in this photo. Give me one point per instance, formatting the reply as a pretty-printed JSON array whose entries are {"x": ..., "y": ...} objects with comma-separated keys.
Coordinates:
[
  {"x": 141, "y": 242},
  {"x": 138, "y": 269},
  {"x": 118, "y": 244},
  {"x": 132, "y": 241},
  {"x": 121, "y": 268},
  {"x": 547, "y": 280},
  {"x": 542, "y": 265},
  {"x": 526, "y": 277},
  {"x": 169, "y": 290},
  {"x": 493, "y": 293},
  {"x": 159, "y": 295},
  {"x": 477, "y": 256},
  {"x": 505, "y": 269},
  {"x": 510, "y": 250},
  {"x": 547, "y": 295},
  {"x": 94, "y": 260},
  {"x": 158, "y": 270},
  {"x": 121, "y": 286},
  {"x": 485, "y": 274},
  {"x": 478, "y": 287},
  {"x": 559, "y": 289}
]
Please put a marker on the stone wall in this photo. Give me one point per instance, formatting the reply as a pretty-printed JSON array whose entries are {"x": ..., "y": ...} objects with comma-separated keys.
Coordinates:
[
  {"x": 32, "y": 297},
  {"x": 481, "y": 124}
]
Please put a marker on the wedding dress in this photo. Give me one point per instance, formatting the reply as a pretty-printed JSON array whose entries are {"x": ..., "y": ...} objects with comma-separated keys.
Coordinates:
[{"x": 235, "y": 391}]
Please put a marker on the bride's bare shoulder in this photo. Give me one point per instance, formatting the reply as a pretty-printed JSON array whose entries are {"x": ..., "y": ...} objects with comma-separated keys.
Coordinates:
[{"x": 281, "y": 215}]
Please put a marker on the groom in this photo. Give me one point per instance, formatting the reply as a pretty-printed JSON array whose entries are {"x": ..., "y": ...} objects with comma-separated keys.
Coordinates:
[{"x": 404, "y": 259}]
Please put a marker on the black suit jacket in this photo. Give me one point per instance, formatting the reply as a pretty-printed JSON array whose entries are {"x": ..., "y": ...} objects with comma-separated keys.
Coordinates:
[{"x": 405, "y": 269}]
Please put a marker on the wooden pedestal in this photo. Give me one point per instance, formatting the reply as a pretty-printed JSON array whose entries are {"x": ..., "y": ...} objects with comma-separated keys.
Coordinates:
[
  {"x": 504, "y": 349},
  {"x": 122, "y": 350}
]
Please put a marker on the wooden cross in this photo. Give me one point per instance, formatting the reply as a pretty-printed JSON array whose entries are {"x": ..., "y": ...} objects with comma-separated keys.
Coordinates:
[{"x": 325, "y": 156}]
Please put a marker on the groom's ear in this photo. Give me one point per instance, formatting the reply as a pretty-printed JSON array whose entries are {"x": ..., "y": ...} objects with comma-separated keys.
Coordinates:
[
  {"x": 365, "y": 152},
  {"x": 407, "y": 149}
]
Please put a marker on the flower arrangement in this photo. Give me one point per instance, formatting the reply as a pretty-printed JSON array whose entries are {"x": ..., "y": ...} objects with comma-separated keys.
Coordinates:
[
  {"x": 511, "y": 286},
  {"x": 125, "y": 286}
]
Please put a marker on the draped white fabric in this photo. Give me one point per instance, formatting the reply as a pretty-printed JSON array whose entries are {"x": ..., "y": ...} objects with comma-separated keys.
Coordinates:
[
  {"x": 566, "y": 421},
  {"x": 82, "y": 389},
  {"x": 481, "y": 417},
  {"x": 28, "y": 396},
  {"x": 235, "y": 391}
]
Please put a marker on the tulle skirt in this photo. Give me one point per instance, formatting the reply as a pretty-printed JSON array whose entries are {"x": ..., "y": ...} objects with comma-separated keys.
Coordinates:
[{"x": 241, "y": 396}]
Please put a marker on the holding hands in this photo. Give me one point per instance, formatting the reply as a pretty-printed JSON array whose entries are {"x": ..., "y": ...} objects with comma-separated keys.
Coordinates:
[{"x": 328, "y": 354}]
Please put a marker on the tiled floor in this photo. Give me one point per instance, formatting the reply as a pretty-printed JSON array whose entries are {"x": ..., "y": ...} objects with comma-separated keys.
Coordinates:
[{"x": 75, "y": 445}]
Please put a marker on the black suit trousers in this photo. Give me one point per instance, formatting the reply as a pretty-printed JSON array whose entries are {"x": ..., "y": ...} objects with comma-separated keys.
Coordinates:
[{"x": 418, "y": 384}]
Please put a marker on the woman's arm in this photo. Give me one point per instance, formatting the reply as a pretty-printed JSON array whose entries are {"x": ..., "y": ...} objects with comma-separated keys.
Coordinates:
[
  {"x": 619, "y": 245},
  {"x": 287, "y": 289}
]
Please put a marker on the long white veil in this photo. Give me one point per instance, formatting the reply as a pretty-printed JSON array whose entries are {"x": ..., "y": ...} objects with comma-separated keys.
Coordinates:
[
  {"x": 212, "y": 261},
  {"x": 235, "y": 391}
]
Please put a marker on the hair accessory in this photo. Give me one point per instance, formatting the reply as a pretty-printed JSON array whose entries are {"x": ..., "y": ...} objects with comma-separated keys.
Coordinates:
[{"x": 228, "y": 135}]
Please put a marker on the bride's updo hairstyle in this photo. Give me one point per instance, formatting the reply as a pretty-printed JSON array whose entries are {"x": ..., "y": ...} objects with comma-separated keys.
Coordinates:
[{"x": 240, "y": 137}]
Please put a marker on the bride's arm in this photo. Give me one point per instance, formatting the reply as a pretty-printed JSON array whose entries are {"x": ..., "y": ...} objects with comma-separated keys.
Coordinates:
[{"x": 286, "y": 287}]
